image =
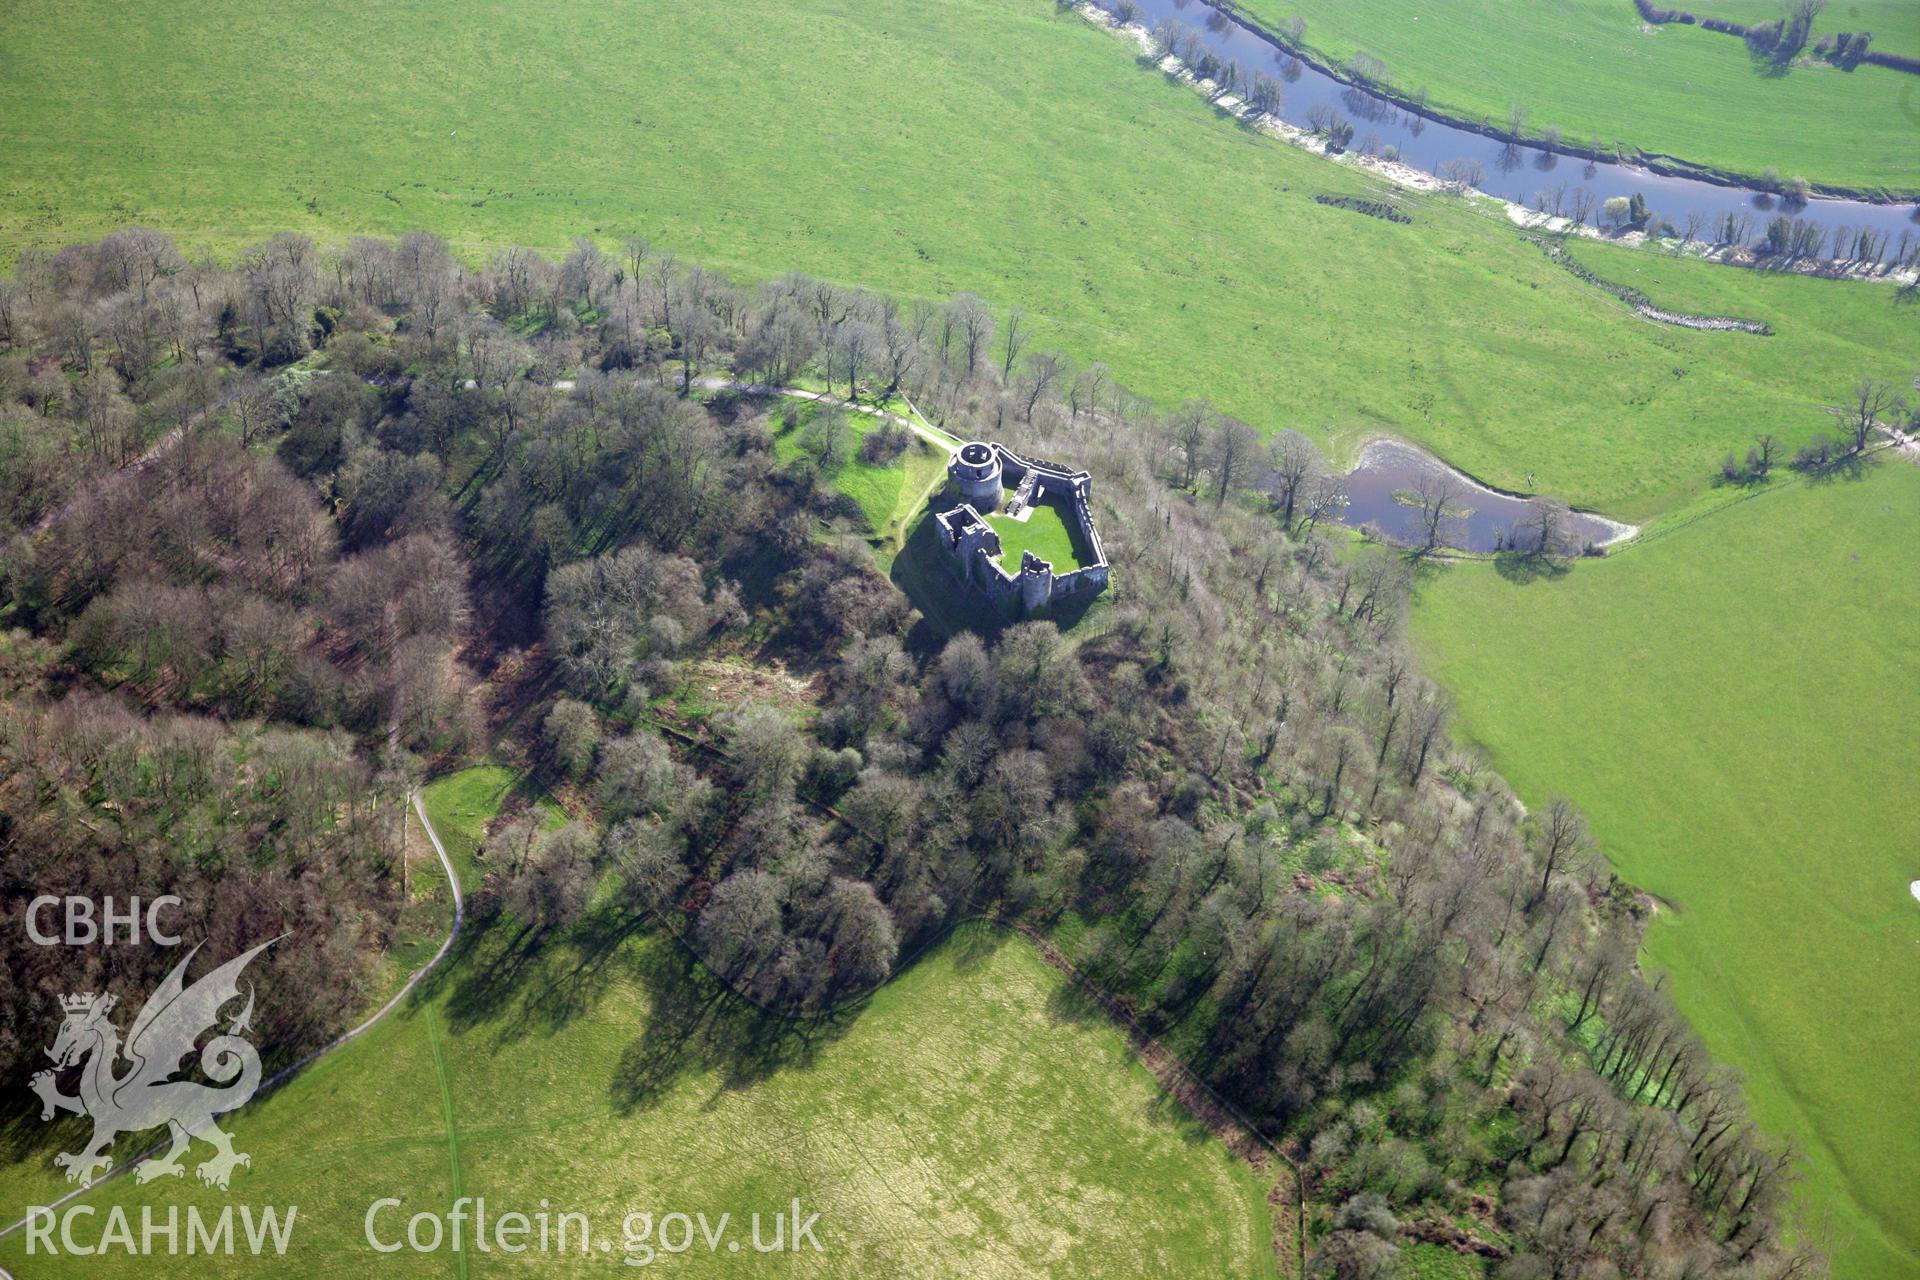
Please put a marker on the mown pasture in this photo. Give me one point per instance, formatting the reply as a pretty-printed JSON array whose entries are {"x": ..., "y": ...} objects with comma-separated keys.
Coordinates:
[
  {"x": 1012, "y": 1131},
  {"x": 1733, "y": 705}
]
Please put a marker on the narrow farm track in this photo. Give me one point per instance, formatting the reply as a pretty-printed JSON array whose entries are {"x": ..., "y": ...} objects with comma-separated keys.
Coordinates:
[
  {"x": 287, "y": 1073},
  {"x": 453, "y": 1135}
]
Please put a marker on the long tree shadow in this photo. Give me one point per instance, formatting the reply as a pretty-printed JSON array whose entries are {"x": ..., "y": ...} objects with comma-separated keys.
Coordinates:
[
  {"x": 1766, "y": 63},
  {"x": 24, "y": 1135},
  {"x": 696, "y": 1025},
  {"x": 1073, "y": 1005},
  {"x": 969, "y": 945},
  {"x": 510, "y": 981},
  {"x": 1851, "y": 467},
  {"x": 518, "y": 981},
  {"x": 1523, "y": 567}
]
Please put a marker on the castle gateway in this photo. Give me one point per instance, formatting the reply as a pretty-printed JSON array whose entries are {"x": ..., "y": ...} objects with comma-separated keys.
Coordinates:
[{"x": 1023, "y": 533}]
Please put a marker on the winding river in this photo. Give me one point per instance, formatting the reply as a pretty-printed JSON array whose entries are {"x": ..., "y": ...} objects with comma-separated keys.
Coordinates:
[{"x": 1513, "y": 172}]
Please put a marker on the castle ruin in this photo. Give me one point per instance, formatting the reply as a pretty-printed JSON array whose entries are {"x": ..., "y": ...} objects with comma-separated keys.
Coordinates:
[{"x": 989, "y": 478}]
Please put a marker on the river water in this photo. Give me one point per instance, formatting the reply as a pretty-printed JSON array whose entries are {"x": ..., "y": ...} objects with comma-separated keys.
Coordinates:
[
  {"x": 1516, "y": 173},
  {"x": 1481, "y": 519}
]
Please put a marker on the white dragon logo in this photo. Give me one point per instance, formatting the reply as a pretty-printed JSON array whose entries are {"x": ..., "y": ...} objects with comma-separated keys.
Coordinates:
[{"x": 145, "y": 1096}]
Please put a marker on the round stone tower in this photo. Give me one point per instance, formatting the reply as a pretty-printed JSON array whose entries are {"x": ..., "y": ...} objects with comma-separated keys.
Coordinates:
[{"x": 975, "y": 476}]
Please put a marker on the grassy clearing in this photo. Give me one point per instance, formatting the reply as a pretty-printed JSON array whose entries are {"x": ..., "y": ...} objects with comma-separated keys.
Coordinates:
[
  {"x": 1044, "y": 532},
  {"x": 874, "y": 488},
  {"x": 1594, "y": 70},
  {"x": 1764, "y": 792},
  {"x": 1010, "y": 1134},
  {"x": 926, "y": 475},
  {"x": 1084, "y": 202},
  {"x": 463, "y": 804},
  {"x": 1436, "y": 1262},
  {"x": 890, "y": 495}
]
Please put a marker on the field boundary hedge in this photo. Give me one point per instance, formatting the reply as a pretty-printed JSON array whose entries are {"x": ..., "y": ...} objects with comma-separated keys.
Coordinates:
[
  {"x": 1834, "y": 51},
  {"x": 1643, "y": 305}
]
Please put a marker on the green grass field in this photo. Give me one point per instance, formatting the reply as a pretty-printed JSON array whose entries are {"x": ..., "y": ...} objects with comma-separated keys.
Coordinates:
[
  {"x": 1011, "y": 1133},
  {"x": 926, "y": 475},
  {"x": 1044, "y": 533},
  {"x": 1594, "y": 70},
  {"x": 1093, "y": 201},
  {"x": 1830, "y": 332},
  {"x": 1733, "y": 704}
]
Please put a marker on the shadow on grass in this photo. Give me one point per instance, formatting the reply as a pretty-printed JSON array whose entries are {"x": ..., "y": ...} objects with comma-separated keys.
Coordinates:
[
  {"x": 947, "y": 606},
  {"x": 1523, "y": 567},
  {"x": 1746, "y": 482},
  {"x": 25, "y": 1136},
  {"x": 1425, "y": 568},
  {"x": 1072, "y": 1005},
  {"x": 695, "y": 1026},
  {"x": 518, "y": 981},
  {"x": 1765, "y": 63},
  {"x": 508, "y": 981},
  {"x": 521, "y": 796},
  {"x": 1852, "y": 468},
  {"x": 972, "y": 944}
]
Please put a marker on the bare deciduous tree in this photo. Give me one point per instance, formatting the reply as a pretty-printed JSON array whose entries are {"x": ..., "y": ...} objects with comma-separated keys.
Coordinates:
[
  {"x": 1189, "y": 429},
  {"x": 1013, "y": 340},
  {"x": 1546, "y": 531},
  {"x": 1293, "y": 461},
  {"x": 1084, "y": 395},
  {"x": 975, "y": 326},
  {"x": 1436, "y": 500},
  {"x": 1231, "y": 457},
  {"x": 1462, "y": 174},
  {"x": 1872, "y": 401}
]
